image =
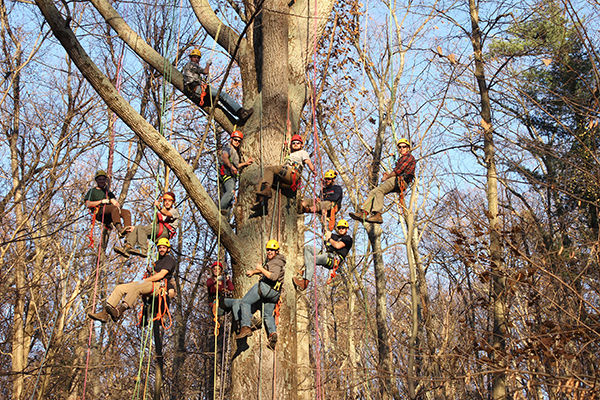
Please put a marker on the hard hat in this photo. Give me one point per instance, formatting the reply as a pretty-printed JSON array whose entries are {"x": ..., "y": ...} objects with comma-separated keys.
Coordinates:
[
  {"x": 342, "y": 223},
  {"x": 163, "y": 242},
  {"x": 217, "y": 264},
  {"x": 195, "y": 52},
  {"x": 403, "y": 141},
  {"x": 273, "y": 245},
  {"x": 330, "y": 174},
  {"x": 100, "y": 173},
  {"x": 237, "y": 134},
  {"x": 169, "y": 195},
  {"x": 297, "y": 138}
]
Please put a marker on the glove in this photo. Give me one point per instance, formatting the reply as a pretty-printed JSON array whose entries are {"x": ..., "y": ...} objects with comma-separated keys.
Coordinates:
[
  {"x": 105, "y": 201},
  {"x": 327, "y": 236}
]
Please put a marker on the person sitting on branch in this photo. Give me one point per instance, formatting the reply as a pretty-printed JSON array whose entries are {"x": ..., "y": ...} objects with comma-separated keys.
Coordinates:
[
  {"x": 337, "y": 247},
  {"x": 229, "y": 169},
  {"x": 196, "y": 86},
  {"x": 395, "y": 181},
  {"x": 103, "y": 203},
  {"x": 167, "y": 221},
  {"x": 265, "y": 293},
  {"x": 289, "y": 173},
  {"x": 329, "y": 200},
  {"x": 224, "y": 291},
  {"x": 163, "y": 271}
]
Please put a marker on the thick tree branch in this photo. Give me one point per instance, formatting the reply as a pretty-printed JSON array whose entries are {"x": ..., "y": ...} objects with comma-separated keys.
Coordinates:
[
  {"x": 147, "y": 53},
  {"x": 222, "y": 33},
  {"x": 144, "y": 130}
]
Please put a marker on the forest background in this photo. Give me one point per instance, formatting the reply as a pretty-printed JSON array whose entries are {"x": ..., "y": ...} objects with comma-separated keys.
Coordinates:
[{"x": 482, "y": 283}]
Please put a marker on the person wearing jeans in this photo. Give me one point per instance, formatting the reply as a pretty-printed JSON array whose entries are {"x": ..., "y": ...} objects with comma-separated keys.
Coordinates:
[{"x": 264, "y": 294}]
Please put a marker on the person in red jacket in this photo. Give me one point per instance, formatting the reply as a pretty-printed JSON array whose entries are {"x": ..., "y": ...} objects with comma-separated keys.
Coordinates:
[
  {"x": 225, "y": 288},
  {"x": 395, "y": 181}
]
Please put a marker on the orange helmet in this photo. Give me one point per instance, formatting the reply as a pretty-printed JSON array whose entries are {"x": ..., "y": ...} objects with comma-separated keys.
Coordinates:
[
  {"x": 237, "y": 134},
  {"x": 169, "y": 195}
]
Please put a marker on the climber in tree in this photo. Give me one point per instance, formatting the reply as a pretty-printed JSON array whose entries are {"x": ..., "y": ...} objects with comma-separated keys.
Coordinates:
[
  {"x": 103, "y": 203},
  {"x": 196, "y": 86}
]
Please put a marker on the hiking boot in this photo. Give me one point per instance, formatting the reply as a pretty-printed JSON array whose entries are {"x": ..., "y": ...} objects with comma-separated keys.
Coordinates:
[
  {"x": 123, "y": 251},
  {"x": 265, "y": 192},
  {"x": 360, "y": 215},
  {"x": 300, "y": 283},
  {"x": 139, "y": 253},
  {"x": 272, "y": 340},
  {"x": 245, "y": 331},
  {"x": 114, "y": 313},
  {"x": 243, "y": 115},
  {"x": 375, "y": 218},
  {"x": 101, "y": 316}
]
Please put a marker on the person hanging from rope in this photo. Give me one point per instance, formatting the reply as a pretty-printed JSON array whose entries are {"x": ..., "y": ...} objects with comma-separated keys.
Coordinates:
[
  {"x": 229, "y": 168},
  {"x": 167, "y": 221},
  {"x": 337, "y": 246},
  {"x": 103, "y": 203},
  {"x": 395, "y": 181},
  {"x": 330, "y": 198},
  {"x": 162, "y": 273},
  {"x": 224, "y": 291},
  {"x": 197, "y": 88},
  {"x": 289, "y": 173},
  {"x": 265, "y": 293}
]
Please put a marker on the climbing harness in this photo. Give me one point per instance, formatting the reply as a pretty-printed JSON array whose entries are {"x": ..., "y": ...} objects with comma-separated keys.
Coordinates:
[
  {"x": 93, "y": 212},
  {"x": 157, "y": 301},
  {"x": 333, "y": 262}
]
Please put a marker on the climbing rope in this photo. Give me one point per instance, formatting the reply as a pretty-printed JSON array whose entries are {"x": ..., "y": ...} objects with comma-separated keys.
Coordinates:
[{"x": 89, "y": 346}]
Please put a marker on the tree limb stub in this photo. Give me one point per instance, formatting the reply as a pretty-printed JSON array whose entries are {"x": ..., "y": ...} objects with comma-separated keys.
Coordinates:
[{"x": 144, "y": 130}]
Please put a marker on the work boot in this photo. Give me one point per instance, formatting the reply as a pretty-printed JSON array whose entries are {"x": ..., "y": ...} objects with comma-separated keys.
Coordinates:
[
  {"x": 116, "y": 313},
  {"x": 124, "y": 251},
  {"x": 113, "y": 312},
  {"x": 243, "y": 115},
  {"x": 360, "y": 215},
  {"x": 136, "y": 252},
  {"x": 266, "y": 191},
  {"x": 272, "y": 340},
  {"x": 101, "y": 316},
  {"x": 375, "y": 218},
  {"x": 245, "y": 331},
  {"x": 300, "y": 283}
]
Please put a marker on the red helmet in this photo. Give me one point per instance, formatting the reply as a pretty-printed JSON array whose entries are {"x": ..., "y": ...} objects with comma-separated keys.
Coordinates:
[
  {"x": 297, "y": 138},
  {"x": 217, "y": 264},
  {"x": 237, "y": 134}
]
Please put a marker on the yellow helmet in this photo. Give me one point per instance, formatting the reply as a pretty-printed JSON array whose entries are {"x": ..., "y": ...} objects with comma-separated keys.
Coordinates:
[
  {"x": 273, "y": 245},
  {"x": 342, "y": 223},
  {"x": 330, "y": 174},
  {"x": 403, "y": 141},
  {"x": 100, "y": 173},
  {"x": 163, "y": 242},
  {"x": 195, "y": 52}
]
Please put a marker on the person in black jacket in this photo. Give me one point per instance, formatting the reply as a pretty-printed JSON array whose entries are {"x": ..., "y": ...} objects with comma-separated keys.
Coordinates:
[
  {"x": 337, "y": 247},
  {"x": 330, "y": 196}
]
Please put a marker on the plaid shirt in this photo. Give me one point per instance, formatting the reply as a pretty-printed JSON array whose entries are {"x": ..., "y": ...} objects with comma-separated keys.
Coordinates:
[{"x": 405, "y": 167}]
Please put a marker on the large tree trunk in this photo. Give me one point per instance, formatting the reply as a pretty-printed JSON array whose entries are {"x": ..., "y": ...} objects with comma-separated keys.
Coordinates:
[
  {"x": 498, "y": 301},
  {"x": 273, "y": 81}
]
